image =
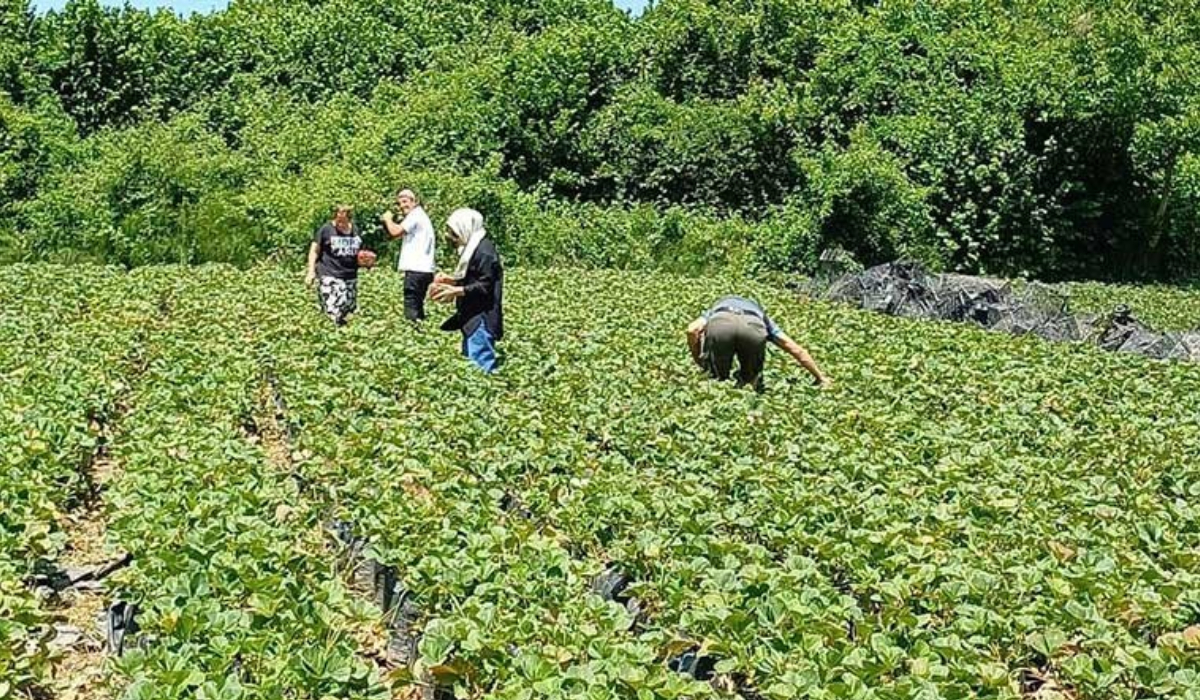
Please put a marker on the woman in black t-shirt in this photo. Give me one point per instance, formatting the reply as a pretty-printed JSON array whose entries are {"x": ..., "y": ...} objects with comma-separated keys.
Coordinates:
[{"x": 333, "y": 264}]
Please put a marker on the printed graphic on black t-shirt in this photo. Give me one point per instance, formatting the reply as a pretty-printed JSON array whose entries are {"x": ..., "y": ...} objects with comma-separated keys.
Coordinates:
[
  {"x": 338, "y": 252},
  {"x": 345, "y": 246}
]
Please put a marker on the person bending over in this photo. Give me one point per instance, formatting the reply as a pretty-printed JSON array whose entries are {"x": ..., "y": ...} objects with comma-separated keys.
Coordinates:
[{"x": 739, "y": 327}]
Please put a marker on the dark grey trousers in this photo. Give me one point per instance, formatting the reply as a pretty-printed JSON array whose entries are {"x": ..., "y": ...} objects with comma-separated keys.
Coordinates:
[{"x": 728, "y": 335}]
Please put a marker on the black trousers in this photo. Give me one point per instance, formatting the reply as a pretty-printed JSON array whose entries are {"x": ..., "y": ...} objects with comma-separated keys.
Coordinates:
[{"x": 416, "y": 286}]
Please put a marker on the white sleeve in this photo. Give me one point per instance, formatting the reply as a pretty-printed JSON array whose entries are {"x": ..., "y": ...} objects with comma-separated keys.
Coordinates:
[{"x": 408, "y": 222}]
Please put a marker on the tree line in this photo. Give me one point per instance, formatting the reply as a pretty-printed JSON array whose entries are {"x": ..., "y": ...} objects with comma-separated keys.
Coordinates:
[{"x": 1049, "y": 138}]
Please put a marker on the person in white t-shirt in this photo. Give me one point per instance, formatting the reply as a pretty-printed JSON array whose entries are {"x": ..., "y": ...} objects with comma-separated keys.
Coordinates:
[{"x": 416, "y": 251}]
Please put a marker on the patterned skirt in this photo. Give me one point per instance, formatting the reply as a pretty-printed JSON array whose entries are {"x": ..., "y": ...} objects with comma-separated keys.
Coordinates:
[{"x": 337, "y": 298}]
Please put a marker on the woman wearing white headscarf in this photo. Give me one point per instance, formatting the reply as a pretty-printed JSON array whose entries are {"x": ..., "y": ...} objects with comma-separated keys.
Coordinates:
[{"x": 477, "y": 288}]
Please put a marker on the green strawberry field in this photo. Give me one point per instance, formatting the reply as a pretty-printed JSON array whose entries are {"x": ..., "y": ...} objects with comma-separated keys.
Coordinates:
[{"x": 962, "y": 514}]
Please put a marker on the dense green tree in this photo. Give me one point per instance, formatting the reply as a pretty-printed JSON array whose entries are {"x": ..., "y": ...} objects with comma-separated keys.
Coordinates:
[
  {"x": 114, "y": 67},
  {"x": 718, "y": 48},
  {"x": 730, "y": 154},
  {"x": 18, "y": 73},
  {"x": 1058, "y": 138}
]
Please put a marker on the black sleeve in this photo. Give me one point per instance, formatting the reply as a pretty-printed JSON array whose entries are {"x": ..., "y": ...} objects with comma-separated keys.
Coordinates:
[
  {"x": 489, "y": 271},
  {"x": 319, "y": 235}
]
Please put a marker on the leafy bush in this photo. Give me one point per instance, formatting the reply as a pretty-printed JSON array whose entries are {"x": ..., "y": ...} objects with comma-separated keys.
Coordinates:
[
  {"x": 158, "y": 192},
  {"x": 730, "y": 155},
  {"x": 1055, "y": 139}
]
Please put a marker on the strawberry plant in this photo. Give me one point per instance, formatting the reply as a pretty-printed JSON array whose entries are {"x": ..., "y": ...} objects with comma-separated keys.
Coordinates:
[
  {"x": 964, "y": 515},
  {"x": 65, "y": 357}
]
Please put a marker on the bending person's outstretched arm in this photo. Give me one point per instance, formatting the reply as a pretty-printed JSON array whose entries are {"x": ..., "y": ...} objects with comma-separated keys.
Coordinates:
[{"x": 801, "y": 356}]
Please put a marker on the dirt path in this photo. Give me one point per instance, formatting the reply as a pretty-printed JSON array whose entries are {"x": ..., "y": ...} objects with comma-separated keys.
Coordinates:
[
  {"x": 79, "y": 672},
  {"x": 271, "y": 434}
]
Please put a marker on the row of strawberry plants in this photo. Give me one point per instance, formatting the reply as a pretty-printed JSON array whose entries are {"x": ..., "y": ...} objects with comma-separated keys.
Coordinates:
[
  {"x": 68, "y": 345},
  {"x": 234, "y": 597},
  {"x": 506, "y": 607}
]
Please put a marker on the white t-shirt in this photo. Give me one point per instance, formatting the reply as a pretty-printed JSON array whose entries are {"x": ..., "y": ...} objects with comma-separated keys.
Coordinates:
[{"x": 416, "y": 248}]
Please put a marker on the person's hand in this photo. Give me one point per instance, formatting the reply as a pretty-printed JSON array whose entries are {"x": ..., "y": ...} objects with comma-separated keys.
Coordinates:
[
  {"x": 388, "y": 215},
  {"x": 309, "y": 279},
  {"x": 447, "y": 293},
  {"x": 824, "y": 383},
  {"x": 443, "y": 278}
]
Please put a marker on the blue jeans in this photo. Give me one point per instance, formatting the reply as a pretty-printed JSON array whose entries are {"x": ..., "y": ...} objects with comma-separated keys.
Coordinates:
[{"x": 481, "y": 348}]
